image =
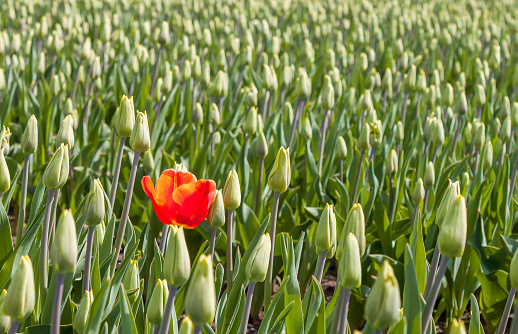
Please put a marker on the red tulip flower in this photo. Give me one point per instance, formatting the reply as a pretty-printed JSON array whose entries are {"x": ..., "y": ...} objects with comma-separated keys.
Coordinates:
[{"x": 179, "y": 199}]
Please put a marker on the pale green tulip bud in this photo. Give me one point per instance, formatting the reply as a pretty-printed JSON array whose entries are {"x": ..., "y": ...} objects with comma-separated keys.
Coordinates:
[
  {"x": 186, "y": 327},
  {"x": 480, "y": 136},
  {"x": 421, "y": 82},
  {"x": 429, "y": 175},
  {"x": 367, "y": 100},
  {"x": 261, "y": 146},
  {"x": 418, "y": 194},
  {"x": 286, "y": 76},
  {"x": 303, "y": 84},
  {"x": 386, "y": 83},
  {"x": 452, "y": 235},
  {"x": 30, "y": 136},
  {"x": 462, "y": 104},
  {"x": 20, "y": 298},
  {"x": 328, "y": 94},
  {"x": 355, "y": 224},
  {"x": 197, "y": 115},
  {"x": 63, "y": 253},
  {"x": 430, "y": 96},
  {"x": 267, "y": 82},
  {"x": 186, "y": 70},
  {"x": 451, "y": 192},
  {"x": 232, "y": 191},
  {"x": 382, "y": 308},
  {"x": 125, "y": 121},
  {"x": 325, "y": 236},
  {"x": 341, "y": 148},
  {"x": 494, "y": 59},
  {"x": 392, "y": 163},
  {"x": 131, "y": 281},
  {"x": 506, "y": 107},
  {"x": 251, "y": 96},
  {"x": 410, "y": 79},
  {"x": 167, "y": 83},
  {"x": 94, "y": 208},
  {"x": 66, "y": 132},
  {"x": 148, "y": 162},
  {"x": 350, "y": 267},
  {"x": 155, "y": 310},
  {"x": 307, "y": 130},
  {"x": 215, "y": 116},
  {"x": 200, "y": 299},
  {"x": 157, "y": 93},
  {"x": 437, "y": 132},
  {"x": 447, "y": 98},
  {"x": 487, "y": 156},
  {"x": 164, "y": 37},
  {"x": 457, "y": 327},
  {"x": 216, "y": 215},
  {"x": 177, "y": 263},
  {"x": 400, "y": 132},
  {"x": 139, "y": 139},
  {"x": 280, "y": 175},
  {"x": 505, "y": 130},
  {"x": 96, "y": 67},
  {"x": 363, "y": 141},
  {"x": 251, "y": 121},
  {"x": 5, "y": 321},
  {"x": 56, "y": 173},
  {"x": 83, "y": 311},
  {"x": 134, "y": 64},
  {"x": 54, "y": 86},
  {"x": 376, "y": 133},
  {"x": 257, "y": 265},
  {"x": 363, "y": 61},
  {"x": 479, "y": 98},
  {"x": 205, "y": 73}
]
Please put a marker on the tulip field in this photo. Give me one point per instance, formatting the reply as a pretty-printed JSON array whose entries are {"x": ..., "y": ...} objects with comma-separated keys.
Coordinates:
[{"x": 255, "y": 166}]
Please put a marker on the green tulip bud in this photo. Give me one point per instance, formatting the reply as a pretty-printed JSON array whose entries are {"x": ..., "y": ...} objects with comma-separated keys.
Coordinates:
[
  {"x": 216, "y": 215},
  {"x": 480, "y": 136},
  {"x": 386, "y": 83},
  {"x": 66, "y": 132},
  {"x": 186, "y": 327},
  {"x": 452, "y": 235},
  {"x": 131, "y": 280},
  {"x": 479, "y": 98},
  {"x": 200, "y": 299},
  {"x": 451, "y": 193},
  {"x": 363, "y": 141},
  {"x": 437, "y": 132},
  {"x": 494, "y": 59},
  {"x": 125, "y": 121},
  {"x": 307, "y": 130},
  {"x": 139, "y": 139},
  {"x": 205, "y": 73},
  {"x": 341, "y": 148},
  {"x": 418, "y": 194},
  {"x": 421, "y": 82},
  {"x": 167, "y": 83},
  {"x": 376, "y": 133},
  {"x": 94, "y": 208},
  {"x": 410, "y": 82},
  {"x": 462, "y": 104},
  {"x": 286, "y": 76},
  {"x": 355, "y": 224},
  {"x": 186, "y": 70},
  {"x": 505, "y": 130},
  {"x": 261, "y": 146},
  {"x": 447, "y": 98},
  {"x": 257, "y": 266},
  {"x": 303, "y": 84},
  {"x": 457, "y": 327},
  {"x": 232, "y": 191},
  {"x": 350, "y": 267},
  {"x": 197, "y": 115},
  {"x": 325, "y": 237},
  {"x": 5, "y": 176},
  {"x": 177, "y": 263},
  {"x": 392, "y": 163},
  {"x": 430, "y": 96},
  {"x": 429, "y": 175},
  {"x": 487, "y": 156},
  {"x": 54, "y": 85},
  {"x": 155, "y": 310},
  {"x": 56, "y": 173},
  {"x": 328, "y": 94},
  {"x": 63, "y": 253},
  {"x": 251, "y": 121},
  {"x": 400, "y": 132},
  {"x": 366, "y": 99},
  {"x": 83, "y": 311},
  {"x": 20, "y": 298},
  {"x": 382, "y": 308},
  {"x": 96, "y": 67},
  {"x": 148, "y": 162},
  {"x": 220, "y": 84},
  {"x": 280, "y": 175},
  {"x": 251, "y": 96},
  {"x": 214, "y": 114},
  {"x": 363, "y": 61},
  {"x": 5, "y": 321},
  {"x": 164, "y": 36},
  {"x": 506, "y": 107},
  {"x": 30, "y": 136}
]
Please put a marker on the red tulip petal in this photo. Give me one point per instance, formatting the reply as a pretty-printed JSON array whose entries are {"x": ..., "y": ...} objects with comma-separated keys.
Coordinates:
[
  {"x": 148, "y": 187},
  {"x": 160, "y": 206},
  {"x": 192, "y": 202}
]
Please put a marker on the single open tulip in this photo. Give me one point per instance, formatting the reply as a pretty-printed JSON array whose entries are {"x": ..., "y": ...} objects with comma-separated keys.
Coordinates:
[{"x": 179, "y": 198}]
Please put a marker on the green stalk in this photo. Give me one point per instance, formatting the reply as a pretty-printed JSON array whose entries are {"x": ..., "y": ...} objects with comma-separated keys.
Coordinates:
[
  {"x": 507, "y": 311},
  {"x": 163, "y": 241},
  {"x": 197, "y": 330},
  {"x": 248, "y": 305},
  {"x": 13, "y": 329},
  {"x": 76, "y": 81},
  {"x": 320, "y": 266},
  {"x": 56, "y": 305},
  {"x": 433, "y": 269},
  {"x": 459, "y": 123},
  {"x": 23, "y": 198},
  {"x": 322, "y": 142},
  {"x": 346, "y": 296},
  {"x": 229, "y": 251},
  {"x": 44, "y": 245},
  {"x": 116, "y": 172},
  {"x": 88, "y": 259},
  {"x": 430, "y": 301},
  {"x": 169, "y": 306},
  {"x": 125, "y": 212},
  {"x": 52, "y": 227},
  {"x": 212, "y": 243},
  {"x": 358, "y": 172},
  {"x": 155, "y": 71},
  {"x": 337, "y": 318},
  {"x": 273, "y": 225},
  {"x": 259, "y": 186}
]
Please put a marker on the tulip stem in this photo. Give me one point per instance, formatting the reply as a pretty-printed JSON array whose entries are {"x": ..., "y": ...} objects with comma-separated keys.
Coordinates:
[
  {"x": 52, "y": 227},
  {"x": 273, "y": 226},
  {"x": 156, "y": 330},
  {"x": 155, "y": 71},
  {"x": 507, "y": 311},
  {"x": 430, "y": 301},
  {"x": 345, "y": 308},
  {"x": 229, "y": 251},
  {"x": 247, "y": 144},
  {"x": 116, "y": 172},
  {"x": 459, "y": 124},
  {"x": 163, "y": 241},
  {"x": 342, "y": 170},
  {"x": 44, "y": 245},
  {"x": 56, "y": 306},
  {"x": 433, "y": 269},
  {"x": 322, "y": 142},
  {"x": 294, "y": 124},
  {"x": 514, "y": 323},
  {"x": 416, "y": 208},
  {"x": 358, "y": 172},
  {"x": 76, "y": 81},
  {"x": 320, "y": 266},
  {"x": 259, "y": 187},
  {"x": 13, "y": 329},
  {"x": 197, "y": 330},
  {"x": 125, "y": 211},
  {"x": 212, "y": 243},
  {"x": 88, "y": 259},
  {"x": 23, "y": 198},
  {"x": 169, "y": 306},
  {"x": 337, "y": 319},
  {"x": 248, "y": 305},
  {"x": 391, "y": 196}
]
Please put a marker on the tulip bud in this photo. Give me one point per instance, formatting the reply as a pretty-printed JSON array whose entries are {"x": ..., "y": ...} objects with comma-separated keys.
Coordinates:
[
  {"x": 148, "y": 162},
  {"x": 251, "y": 121},
  {"x": 66, "y": 133},
  {"x": 20, "y": 297},
  {"x": 447, "y": 98},
  {"x": 30, "y": 136},
  {"x": 341, "y": 148},
  {"x": 487, "y": 156},
  {"x": 376, "y": 133},
  {"x": 197, "y": 115},
  {"x": 350, "y": 267},
  {"x": 307, "y": 130},
  {"x": 200, "y": 299},
  {"x": 418, "y": 194},
  {"x": 261, "y": 146},
  {"x": 83, "y": 311},
  {"x": 186, "y": 70},
  {"x": 125, "y": 121},
  {"x": 155, "y": 310},
  {"x": 5, "y": 321},
  {"x": 383, "y": 302},
  {"x": 392, "y": 163},
  {"x": 186, "y": 327},
  {"x": 232, "y": 191},
  {"x": 63, "y": 253},
  {"x": 328, "y": 94},
  {"x": 462, "y": 104},
  {"x": 94, "y": 208},
  {"x": 5, "y": 176},
  {"x": 131, "y": 281},
  {"x": 257, "y": 265},
  {"x": 479, "y": 97},
  {"x": 280, "y": 175},
  {"x": 325, "y": 237},
  {"x": 505, "y": 130},
  {"x": 452, "y": 235},
  {"x": 400, "y": 132},
  {"x": 139, "y": 139},
  {"x": 363, "y": 141},
  {"x": 177, "y": 263},
  {"x": 480, "y": 136},
  {"x": 56, "y": 173},
  {"x": 216, "y": 215},
  {"x": 355, "y": 224},
  {"x": 214, "y": 114},
  {"x": 421, "y": 82},
  {"x": 251, "y": 96},
  {"x": 164, "y": 36},
  {"x": 429, "y": 175}
]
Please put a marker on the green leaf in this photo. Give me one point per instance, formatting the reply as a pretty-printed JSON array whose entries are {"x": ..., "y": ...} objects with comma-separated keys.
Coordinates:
[
  {"x": 97, "y": 309},
  {"x": 475, "y": 327},
  {"x": 128, "y": 324},
  {"x": 412, "y": 300}
]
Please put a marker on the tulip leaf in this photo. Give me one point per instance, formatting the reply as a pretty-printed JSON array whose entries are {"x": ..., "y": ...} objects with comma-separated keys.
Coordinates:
[
  {"x": 475, "y": 327},
  {"x": 316, "y": 309},
  {"x": 6, "y": 240},
  {"x": 128, "y": 324},
  {"x": 412, "y": 301},
  {"x": 97, "y": 309}
]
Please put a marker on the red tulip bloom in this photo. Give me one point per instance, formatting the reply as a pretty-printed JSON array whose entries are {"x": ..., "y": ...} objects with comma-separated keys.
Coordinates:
[{"x": 179, "y": 199}]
